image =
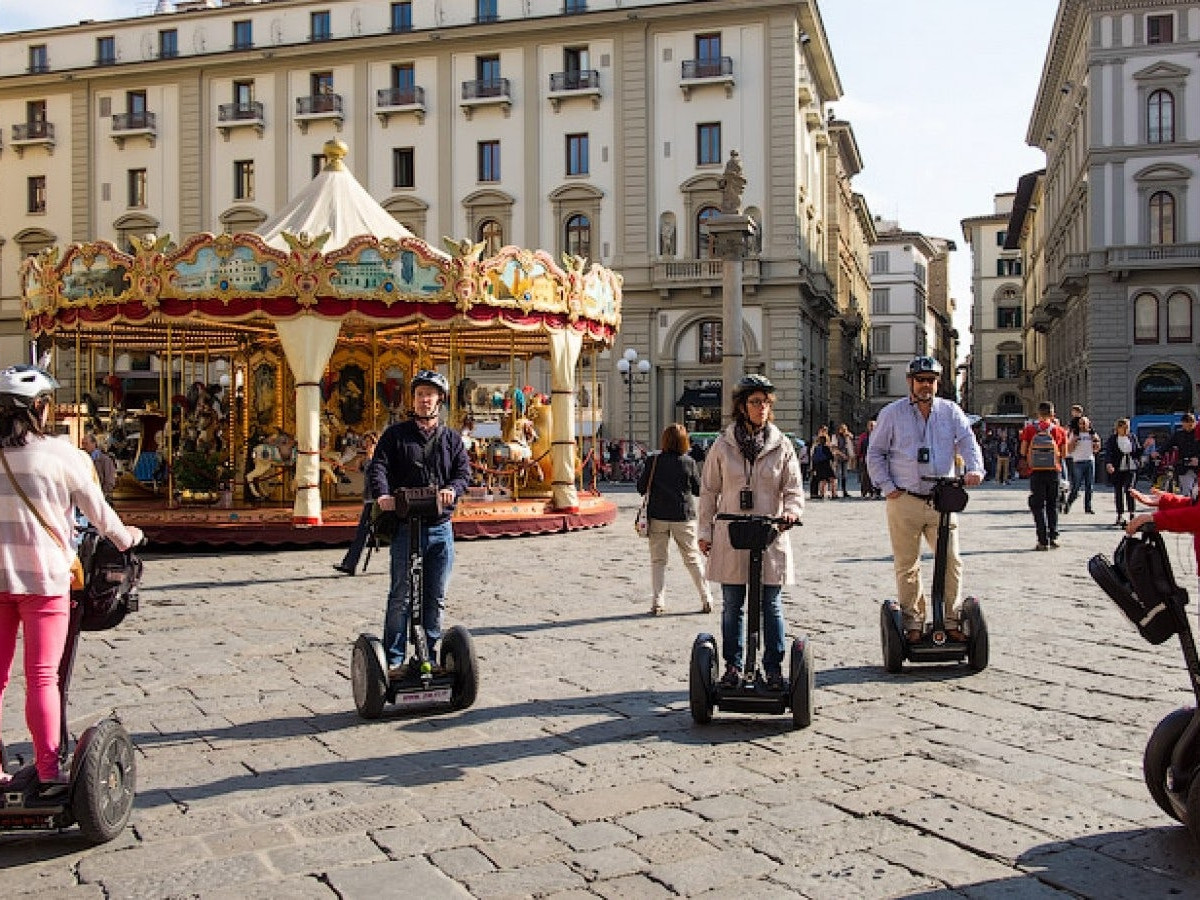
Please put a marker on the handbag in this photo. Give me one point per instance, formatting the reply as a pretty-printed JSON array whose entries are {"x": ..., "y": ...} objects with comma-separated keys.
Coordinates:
[
  {"x": 76, "y": 565},
  {"x": 641, "y": 522}
]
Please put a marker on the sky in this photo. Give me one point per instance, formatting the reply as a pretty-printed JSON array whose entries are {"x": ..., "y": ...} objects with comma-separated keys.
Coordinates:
[{"x": 939, "y": 94}]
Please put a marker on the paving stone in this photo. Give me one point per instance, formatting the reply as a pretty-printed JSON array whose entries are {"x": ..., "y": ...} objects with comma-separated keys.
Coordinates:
[
  {"x": 248, "y": 839},
  {"x": 611, "y": 803},
  {"x": 415, "y": 877},
  {"x": 860, "y": 876},
  {"x": 330, "y": 852},
  {"x": 184, "y": 879},
  {"x": 713, "y": 870},
  {"x": 461, "y": 862},
  {"x": 606, "y": 863},
  {"x": 988, "y": 835},
  {"x": 515, "y": 853},
  {"x": 514, "y": 821},
  {"x": 631, "y": 887},
  {"x": 524, "y": 882},
  {"x": 657, "y": 821},
  {"x": 426, "y": 837}
]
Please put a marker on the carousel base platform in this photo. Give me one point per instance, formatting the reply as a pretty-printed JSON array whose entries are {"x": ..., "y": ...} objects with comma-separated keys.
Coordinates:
[{"x": 271, "y": 524}]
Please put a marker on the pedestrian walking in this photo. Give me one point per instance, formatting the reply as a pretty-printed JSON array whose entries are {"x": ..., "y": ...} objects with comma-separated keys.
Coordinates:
[
  {"x": 843, "y": 456},
  {"x": 916, "y": 436},
  {"x": 349, "y": 563},
  {"x": 1004, "y": 449},
  {"x": 1082, "y": 446},
  {"x": 105, "y": 465},
  {"x": 45, "y": 480},
  {"x": 824, "y": 476},
  {"x": 1122, "y": 456},
  {"x": 670, "y": 480},
  {"x": 1187, "y": 454},
  {"x": 751, "y": 469},
  {"x": 1043, "y": 447}
]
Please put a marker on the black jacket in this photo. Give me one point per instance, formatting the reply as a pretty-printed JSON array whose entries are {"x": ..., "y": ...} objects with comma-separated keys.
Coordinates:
[
  {"x": 1112, "y": 456},
  {"x": 676, "y": 482},
  {"x": 1188, "y": 446},
  {"x": 400, "y": 461}
]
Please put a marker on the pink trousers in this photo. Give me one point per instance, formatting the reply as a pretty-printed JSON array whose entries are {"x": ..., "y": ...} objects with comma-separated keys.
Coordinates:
[{"x": 45, "y": 622}]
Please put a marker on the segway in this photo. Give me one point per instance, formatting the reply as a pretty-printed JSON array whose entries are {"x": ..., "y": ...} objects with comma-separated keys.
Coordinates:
[
  {"x": 421, "y": 682},
  {"x": 935, "y": 646},
  {"x": 1139, "y": 580},
  {"x": 99, "y": 795},
  {"x": 752, "y": 694}
]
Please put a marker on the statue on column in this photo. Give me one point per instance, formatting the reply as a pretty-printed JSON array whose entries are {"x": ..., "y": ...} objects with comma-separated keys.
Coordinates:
[{"x": 733, "y": 185}]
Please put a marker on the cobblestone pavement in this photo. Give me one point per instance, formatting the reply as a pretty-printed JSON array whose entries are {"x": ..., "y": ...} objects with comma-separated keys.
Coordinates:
[{"x": 579, "y": 772}]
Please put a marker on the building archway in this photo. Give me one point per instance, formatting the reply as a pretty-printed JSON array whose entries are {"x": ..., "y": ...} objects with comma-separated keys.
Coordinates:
[{"x": 1162, "y": 388}]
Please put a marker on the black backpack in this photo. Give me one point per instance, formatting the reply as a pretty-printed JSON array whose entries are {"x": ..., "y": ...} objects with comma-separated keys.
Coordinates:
[
  {"x": 110, "y": 581},
  {"x": 1140, "y": 581}
]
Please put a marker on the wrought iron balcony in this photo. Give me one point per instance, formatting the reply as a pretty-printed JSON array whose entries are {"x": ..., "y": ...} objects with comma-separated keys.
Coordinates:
[
  {"x": 574, "y": 83},
  {"x": 134, "y": 124},
  {"x": 395, "y": 100},
  {"x": 240, "y": 115},
  {"x": 485, "y": 92},
  {"x": 317, "y": 107},
  {"x": 32, "y": 134},
  {"x": 697, "y": 72}
]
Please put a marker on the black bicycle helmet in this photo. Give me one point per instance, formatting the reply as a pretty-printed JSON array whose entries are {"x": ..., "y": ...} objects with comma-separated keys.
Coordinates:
[
  {"x": 21, "y": 386},
  {"x": 751, "y": 383},
  {"x": 433, "y": 379},
  {"x": 921, "y": 365}
]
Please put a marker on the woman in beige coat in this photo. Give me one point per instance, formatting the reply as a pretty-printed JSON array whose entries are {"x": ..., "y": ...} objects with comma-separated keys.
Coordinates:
[{"x": 750, "y": 455}]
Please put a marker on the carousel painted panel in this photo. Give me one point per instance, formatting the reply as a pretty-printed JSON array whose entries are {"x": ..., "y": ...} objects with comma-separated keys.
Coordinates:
[
  {"x": 94, "y": 274},
  {"x": 230, "y": 270},
  {"x": 389, "y": 271}
]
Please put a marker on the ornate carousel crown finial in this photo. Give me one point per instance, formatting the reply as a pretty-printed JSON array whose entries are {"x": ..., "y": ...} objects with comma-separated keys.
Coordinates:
[{"x": 335, "y": 152}]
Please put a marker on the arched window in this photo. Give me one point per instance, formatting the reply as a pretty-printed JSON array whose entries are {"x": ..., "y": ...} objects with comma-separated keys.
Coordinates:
[
  {"x": 1162, "y": 218},
  {"x": 1009, "y": 404},
  {"x": 492, "y": 236},
  {"x": 1160, "y": 118},
  {"x": 1179, "y": 318},
  {"x": 577, "y": 237},
  {"x": 705, "y": 244},
  {"x": 1145, "y": 319}
]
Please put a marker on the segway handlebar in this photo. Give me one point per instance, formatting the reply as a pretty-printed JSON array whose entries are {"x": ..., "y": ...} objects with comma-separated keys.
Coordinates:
[
  {"x": 755, "y": 517},
  {"x": 957, "y": 480}
]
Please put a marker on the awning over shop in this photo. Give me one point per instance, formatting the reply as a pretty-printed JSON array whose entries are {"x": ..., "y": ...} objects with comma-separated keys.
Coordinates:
[{"x": 708, "y": 398}]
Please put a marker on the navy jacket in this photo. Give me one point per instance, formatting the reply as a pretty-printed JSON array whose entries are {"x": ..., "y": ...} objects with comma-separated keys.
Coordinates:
[
  {"x": 400, "y": 461},
  {"x": 676, "y": 482}
]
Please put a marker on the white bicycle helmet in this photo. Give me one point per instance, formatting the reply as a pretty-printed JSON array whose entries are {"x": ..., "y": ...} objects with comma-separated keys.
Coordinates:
[{"x": 22, "y": 385}]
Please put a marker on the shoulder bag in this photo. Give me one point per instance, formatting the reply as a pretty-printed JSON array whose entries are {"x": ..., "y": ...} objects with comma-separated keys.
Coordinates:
[
  {"x": 76, "y": 565},
  {"x": 641, "y": 522}
]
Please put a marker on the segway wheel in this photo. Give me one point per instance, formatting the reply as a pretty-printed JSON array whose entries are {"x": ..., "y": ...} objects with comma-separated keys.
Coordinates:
[
  {"x": 1156, "y": 761},
  {"x": 1193, "y": 809},
  {"x": 801, "y": 676},
  {"x": 368, "y": 676},
  {"x": 458, "y": 656},
  {"x": 977, "y": 640},
  {"x": 893, "y": 647},
  {"x": 701, "y": 678},
  {"x": 104, "y": 778}
]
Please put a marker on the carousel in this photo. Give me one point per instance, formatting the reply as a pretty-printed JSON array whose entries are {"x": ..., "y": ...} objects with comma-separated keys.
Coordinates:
[{"x": 235, "y": 377}]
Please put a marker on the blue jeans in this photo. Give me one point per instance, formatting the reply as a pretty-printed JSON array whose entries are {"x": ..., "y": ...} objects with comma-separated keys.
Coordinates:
[
  {"x": 733, "y": 642},
  {"x": 437, "y": 550},
  {"x": 1084, "y": 475}
]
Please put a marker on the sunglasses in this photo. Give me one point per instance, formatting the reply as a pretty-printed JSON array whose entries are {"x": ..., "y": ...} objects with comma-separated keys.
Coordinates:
[
  {"x": 925, "y": 379},
  {"x": 765, "y": 401}
]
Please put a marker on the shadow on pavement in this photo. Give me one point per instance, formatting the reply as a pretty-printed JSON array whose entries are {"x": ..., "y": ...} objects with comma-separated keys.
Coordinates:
[{"x": 918, "y": 672}]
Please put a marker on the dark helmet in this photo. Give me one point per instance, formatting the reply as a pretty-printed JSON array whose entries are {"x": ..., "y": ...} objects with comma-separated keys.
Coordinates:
[
  {"x": 751, "y": 383},
  {"x": 21, "y": 386},
  {"x": 924, "y": 364},
  {"x": 433, "y": 379}
]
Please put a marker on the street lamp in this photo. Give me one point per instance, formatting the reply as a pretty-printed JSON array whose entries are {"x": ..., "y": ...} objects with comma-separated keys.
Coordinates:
[{"x": 632, "y": 369}]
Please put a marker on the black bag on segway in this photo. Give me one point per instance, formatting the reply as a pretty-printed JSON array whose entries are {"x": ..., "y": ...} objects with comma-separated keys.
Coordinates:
[
  {"x": 752, "y": 534},
  {"x": 110, "y": 577},
  {"x": 1140, "y": 581}
]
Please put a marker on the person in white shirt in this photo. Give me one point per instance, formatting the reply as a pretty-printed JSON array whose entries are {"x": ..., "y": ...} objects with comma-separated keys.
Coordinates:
[{"x": 1082, "y": 446}]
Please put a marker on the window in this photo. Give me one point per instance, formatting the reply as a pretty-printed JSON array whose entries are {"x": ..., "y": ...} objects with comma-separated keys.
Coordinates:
[
  {"x": 881, "y": 387},
  {"x": 1008, "y": 317},
  {"x": 706, "y": 244},
  {"x": 39, "y": 59},
  {"x": 708, "y": 144},
  {"x": 318, "y": 163},
  {"x": 403, "y": 174},
  {"x": 710, "y": 350},
  {"x": 1179, "y": 318},
  {"x": 492, "y": 235},
  {"x": 36, "y": 196},
  {"x": 404, "y": 78},
  {"x": 106, "y": 51},
  {"x": 1162, "y": 218},
  {"x": 1001, "y": 237},
  {"x": 879, "y": 263},
  {"x": 489, "y": 160},
  {"x": 881, "y": 301},
  {"x": 243, "y": 94},
  {"x": 1160, "y": 29},
  {"x": 576, "y": 60},
  {"x": 881, "y": 339},
  {"x": 168, "y": 43},
  {"x": 35, "y": 114},
  {"x": 919, "y": 272},
  {"x": 1160, "y": 118},
  {"x": 577, "y": 154},
  {"x": 574, "y": 6},
  {"x": 1008, "y": 268},
  {"x": 135, "y": 104},
  {"x": 243, "y": 179},
  {"x": 1009, "y": 365},
  {"x": 487, "y": 69},
  {"x": 137, "y": 188},
  {"x": 243, "y": 34},
  {"x": 485, "y": 11},
  {"x": 578, "y": 236},
  {"x": 708, "y": 48},
  {"x": 402, "y": 16},
  {"x": 1145, "y": 319},
  {"x": 319, "y": 25}
]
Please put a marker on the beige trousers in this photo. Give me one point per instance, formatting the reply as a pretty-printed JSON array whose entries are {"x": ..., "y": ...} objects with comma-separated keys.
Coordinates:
[
  {"x": 684, "y": 534},
  {"x": 909, "y": 518}
]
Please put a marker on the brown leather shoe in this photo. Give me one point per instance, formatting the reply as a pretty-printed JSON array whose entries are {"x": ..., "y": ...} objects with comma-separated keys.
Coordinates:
[{"x": 913, "y": 635}]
